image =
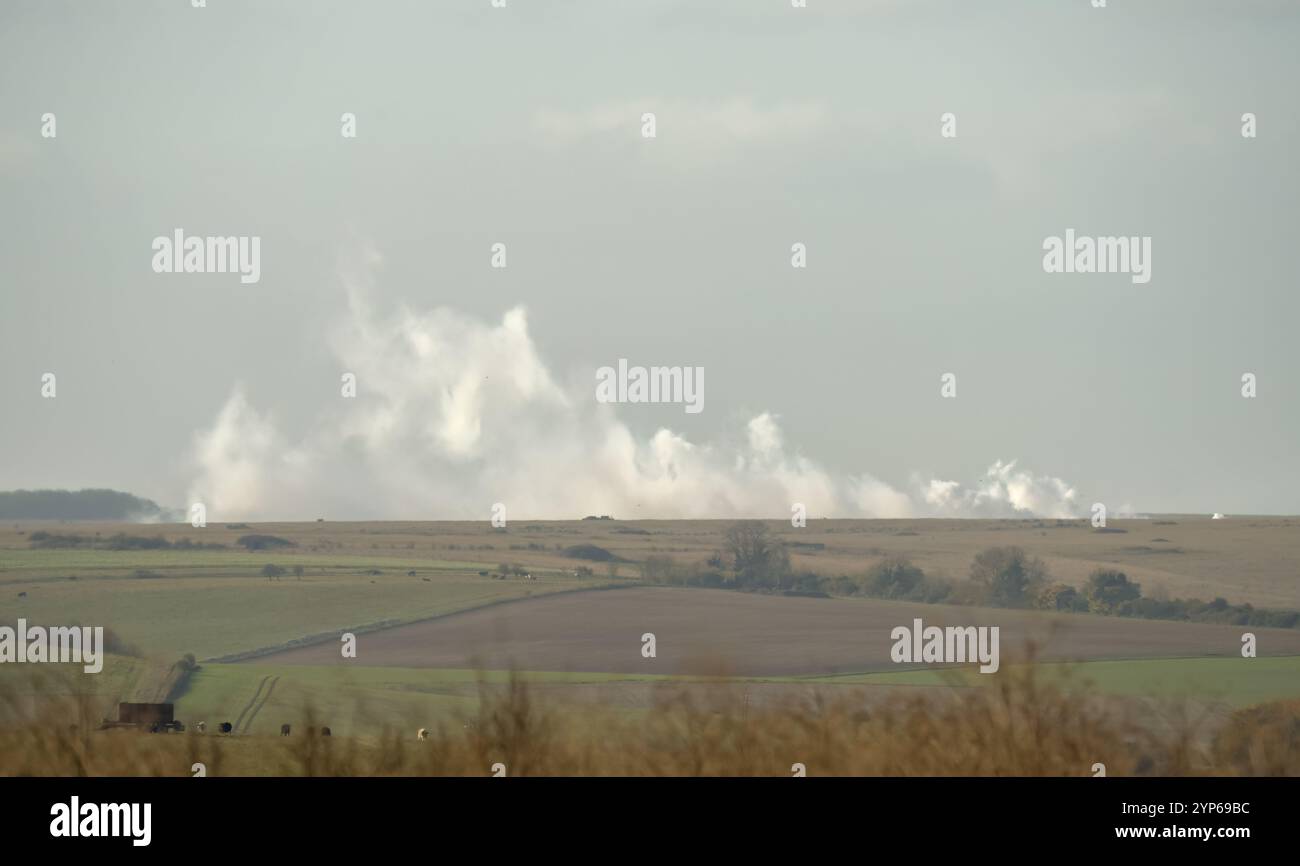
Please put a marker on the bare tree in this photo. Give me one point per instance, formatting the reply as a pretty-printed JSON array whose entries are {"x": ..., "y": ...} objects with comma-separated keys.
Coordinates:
[{"x": 757, "y": 559}]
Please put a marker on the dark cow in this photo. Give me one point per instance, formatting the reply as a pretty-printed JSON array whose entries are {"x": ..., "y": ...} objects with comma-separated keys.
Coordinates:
[
  {"x": 226, "y": 727},
  {"x": 284, "y": 730},
  {"x": 324, "y": 732}
]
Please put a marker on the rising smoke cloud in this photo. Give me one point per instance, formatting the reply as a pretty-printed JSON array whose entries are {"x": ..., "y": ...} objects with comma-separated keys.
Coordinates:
[{"x": 453, "y": 414}]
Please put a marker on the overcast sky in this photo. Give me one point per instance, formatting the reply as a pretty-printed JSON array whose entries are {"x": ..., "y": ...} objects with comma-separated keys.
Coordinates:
[{"x": 774, "y": 125}]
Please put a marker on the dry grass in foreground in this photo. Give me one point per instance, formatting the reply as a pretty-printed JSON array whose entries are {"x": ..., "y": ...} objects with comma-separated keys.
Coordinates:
[{"x": 1017, "y": 726}]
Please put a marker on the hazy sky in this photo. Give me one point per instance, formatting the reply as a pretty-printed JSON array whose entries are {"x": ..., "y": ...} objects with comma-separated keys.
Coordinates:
[{"x": 775, "y": 125}]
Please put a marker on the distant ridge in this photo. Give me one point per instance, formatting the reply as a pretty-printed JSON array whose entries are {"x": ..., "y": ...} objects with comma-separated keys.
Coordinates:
[{"x": 78, "y": 505}]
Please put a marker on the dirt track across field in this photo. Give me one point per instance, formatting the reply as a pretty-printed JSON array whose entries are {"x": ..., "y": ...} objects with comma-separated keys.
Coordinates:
[{"x": 714, "y": 631}]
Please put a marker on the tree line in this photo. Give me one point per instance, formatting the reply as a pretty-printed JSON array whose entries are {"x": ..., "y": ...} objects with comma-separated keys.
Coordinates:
[{"x": 753, "y": 559}]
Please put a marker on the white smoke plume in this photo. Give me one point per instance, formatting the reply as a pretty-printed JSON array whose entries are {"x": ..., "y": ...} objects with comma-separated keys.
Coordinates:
[
  {"x": 1004, "y": 491},
  {"x": 453, "y": 415}
]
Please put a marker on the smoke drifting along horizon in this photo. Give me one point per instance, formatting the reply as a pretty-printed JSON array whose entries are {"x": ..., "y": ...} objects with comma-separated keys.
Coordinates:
[{"x": 452, "y": 415}]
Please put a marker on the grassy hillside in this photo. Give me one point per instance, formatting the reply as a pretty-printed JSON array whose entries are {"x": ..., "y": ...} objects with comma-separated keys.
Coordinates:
[
  {"x": 212, "y": 599},
  {"x": 217, "y": 615}
]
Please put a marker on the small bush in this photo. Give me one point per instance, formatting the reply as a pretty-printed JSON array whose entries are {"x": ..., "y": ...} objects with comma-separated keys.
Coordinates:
[
  {"x": 263, "y": 542},
  {"x": 589, "y": 552}
]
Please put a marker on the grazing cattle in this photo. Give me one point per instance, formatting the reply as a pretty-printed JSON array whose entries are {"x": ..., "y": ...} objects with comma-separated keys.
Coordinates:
[
  {"x": 422, "y": 734},
  {"x": 284, "y": 730},
  {"x": 324, "y": 732},
  {"x": 201, "y": 727},
  {"x": 226, "y": 727}
]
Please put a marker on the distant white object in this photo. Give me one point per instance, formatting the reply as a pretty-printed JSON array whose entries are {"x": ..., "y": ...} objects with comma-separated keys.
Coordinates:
[{"x": 1216, "y": 516}]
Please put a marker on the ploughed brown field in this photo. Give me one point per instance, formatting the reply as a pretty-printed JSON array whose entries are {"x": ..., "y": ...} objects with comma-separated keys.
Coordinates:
[{"x": 708, "y": 631}]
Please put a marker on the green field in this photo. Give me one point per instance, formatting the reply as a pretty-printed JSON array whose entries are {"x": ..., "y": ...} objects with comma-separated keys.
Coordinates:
[
  {"x": 357, "y": 700},
  {"x": 194, "y": 610},
  {"x": 1234, "y": 681},
  {"x": 216, "y": 603},
  {"x": 366, "y": 700},
  {"x": 216, "y": 616}
]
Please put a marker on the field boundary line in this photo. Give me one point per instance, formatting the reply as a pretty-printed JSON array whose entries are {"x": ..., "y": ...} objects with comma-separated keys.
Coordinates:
[{"x": 383, "y": 624}]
